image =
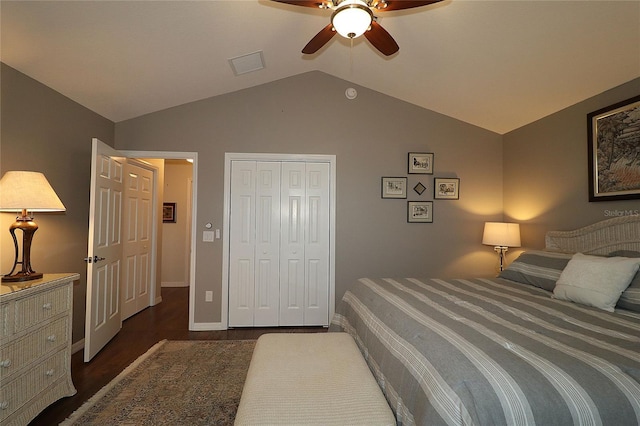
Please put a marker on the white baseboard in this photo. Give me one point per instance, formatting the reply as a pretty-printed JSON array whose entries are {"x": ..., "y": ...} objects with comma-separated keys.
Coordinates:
[
  {"x": 174, "y": 284},
  {"x": 157, "y": 301},
  {"x": 207, "y": 326},
  {"x": 77, "y": 346}
]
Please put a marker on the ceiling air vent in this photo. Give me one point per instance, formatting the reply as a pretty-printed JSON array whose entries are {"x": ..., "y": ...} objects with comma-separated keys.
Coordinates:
[{"x": 247, "y": 63}]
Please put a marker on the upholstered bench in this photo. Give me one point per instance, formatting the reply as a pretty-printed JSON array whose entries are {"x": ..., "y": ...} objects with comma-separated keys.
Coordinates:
[{"x": 310, "y": 379}]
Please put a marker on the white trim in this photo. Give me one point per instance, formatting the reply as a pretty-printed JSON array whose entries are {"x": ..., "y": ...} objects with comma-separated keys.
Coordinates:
[
  {"x": 192, "y": 272},
  {"x": 207, "y": 326},
  {"x": 77, "y": 346},
  {"x": 237, "y": 156},
  {"x": 174, "y": 284}
]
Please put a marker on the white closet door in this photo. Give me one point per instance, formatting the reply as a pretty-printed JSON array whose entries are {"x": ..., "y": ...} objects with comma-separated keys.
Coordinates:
[
  {"x": 316, "y": 299},
  {"x": 267, "y": 253},
  {"x": 292, "y": 244},
  {"x": 242, "y": 243},
  {"x": 279, "y": 255}
]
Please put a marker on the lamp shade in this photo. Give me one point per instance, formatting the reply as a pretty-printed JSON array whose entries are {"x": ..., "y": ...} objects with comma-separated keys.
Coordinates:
[
  {"x": 29, "y": 191},
  {"x": 352, "y": 18},
  {"x": 501, "y": 234}
]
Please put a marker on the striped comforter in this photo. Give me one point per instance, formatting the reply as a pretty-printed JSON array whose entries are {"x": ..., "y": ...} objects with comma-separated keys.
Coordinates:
[{"x": 493, "y": 352}]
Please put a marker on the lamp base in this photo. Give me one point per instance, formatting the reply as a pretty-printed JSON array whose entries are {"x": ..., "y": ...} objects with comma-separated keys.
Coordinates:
[
  {"x": 501, "y": 250},
  {"x": 21, "y": 276},
  {"x": 28, "y": 227}
]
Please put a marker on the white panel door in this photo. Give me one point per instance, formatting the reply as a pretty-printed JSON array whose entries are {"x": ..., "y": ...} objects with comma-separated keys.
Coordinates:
[
  {"x": 316, "y": 249},
  {"x": 103, "y": 317},
  {"x": 267, "y": 249},
  {"x": 138, "y": 221},
  {"x": 242, "y": 243},
  {"x": 279, "y": 243},
  {"x": 292, "y": 243}
]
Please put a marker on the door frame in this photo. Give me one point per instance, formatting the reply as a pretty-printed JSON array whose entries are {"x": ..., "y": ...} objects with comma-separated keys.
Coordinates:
[
  {"x": 178, "y": 155},
  {"x": 237, "y": 156}
]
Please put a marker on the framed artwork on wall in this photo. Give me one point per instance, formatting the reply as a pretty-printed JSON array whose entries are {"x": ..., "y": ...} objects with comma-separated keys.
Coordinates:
[
  {"x": 169, "y": 212},
  {"x": 419, "y": 188},
  {"x": 420, "y": 163},
  {"x": 446, "y": 189},
  {"x": 394, "y": 187},
  {"x": 614, "y": 151},
  {"x": 420, "y": 211}
]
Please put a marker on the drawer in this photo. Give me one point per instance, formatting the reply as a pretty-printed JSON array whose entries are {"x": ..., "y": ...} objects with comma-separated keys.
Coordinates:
[
  {"x": 30, "y": 311},
  {"x": 19, "y": 391},
  {"x": 21, "y": 352}
]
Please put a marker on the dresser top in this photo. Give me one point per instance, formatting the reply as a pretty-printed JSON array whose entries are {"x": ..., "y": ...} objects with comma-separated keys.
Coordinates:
[{"x": 14, "y": 288}]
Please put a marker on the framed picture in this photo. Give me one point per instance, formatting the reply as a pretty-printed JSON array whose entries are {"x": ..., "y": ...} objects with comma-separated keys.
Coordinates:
[
  {"x": 419, "y": 188},
  {"x": 446, "y": 188},
  {"x": 614, "y": 151},
  {"x": 420, "y": 163},
  {"x": 420, "y": 211},
  {"x": 169, "y": 212},
  {"x": 394, "y": 187}
]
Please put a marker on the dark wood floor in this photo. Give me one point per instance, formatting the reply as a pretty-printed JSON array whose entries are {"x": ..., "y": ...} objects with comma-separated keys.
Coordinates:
[{"x": 168, "y": 320}]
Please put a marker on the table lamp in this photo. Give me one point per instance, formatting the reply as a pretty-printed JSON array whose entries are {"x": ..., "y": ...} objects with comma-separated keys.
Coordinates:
[
  {"x": 502, "y": 236},
  {"x": 26, "y": 193}
]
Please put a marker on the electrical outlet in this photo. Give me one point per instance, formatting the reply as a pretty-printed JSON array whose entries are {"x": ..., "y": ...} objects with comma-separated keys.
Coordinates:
[{"x": 208, "y": 296}]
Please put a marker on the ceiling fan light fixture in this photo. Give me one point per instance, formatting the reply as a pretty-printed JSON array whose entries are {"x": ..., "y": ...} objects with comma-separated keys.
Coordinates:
[{"x": 352, "y": 18}]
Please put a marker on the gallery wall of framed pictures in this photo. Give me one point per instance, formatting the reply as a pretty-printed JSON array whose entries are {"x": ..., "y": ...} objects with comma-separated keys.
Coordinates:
[{"x": 397, "y": 187}]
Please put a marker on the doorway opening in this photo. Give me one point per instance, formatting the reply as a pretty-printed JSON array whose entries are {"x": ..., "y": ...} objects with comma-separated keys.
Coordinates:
[{"x": 176, "y": 224}]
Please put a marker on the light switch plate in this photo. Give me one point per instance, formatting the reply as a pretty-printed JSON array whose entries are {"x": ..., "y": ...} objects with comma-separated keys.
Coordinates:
[{"x": 208, "y": 236}]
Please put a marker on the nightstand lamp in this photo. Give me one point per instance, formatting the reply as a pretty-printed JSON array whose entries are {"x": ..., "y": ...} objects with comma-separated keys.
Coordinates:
[
  {"x": 26, "y": 193},
  {"x": 501, "y": 236}
]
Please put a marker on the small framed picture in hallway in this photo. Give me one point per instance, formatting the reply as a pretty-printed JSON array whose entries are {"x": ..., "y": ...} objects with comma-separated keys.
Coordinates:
[{"x": 169, "y": 212}]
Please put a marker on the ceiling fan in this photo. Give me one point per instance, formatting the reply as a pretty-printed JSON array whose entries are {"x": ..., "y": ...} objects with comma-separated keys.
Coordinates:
[{"x": 353, "y": 18}]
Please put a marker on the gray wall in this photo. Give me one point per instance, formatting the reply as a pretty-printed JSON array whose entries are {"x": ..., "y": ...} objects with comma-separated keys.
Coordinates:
[
  {"x": 41, "y": 130},
  {"x": 546, "y": 171},
  {"x": 371, "y": 137}
]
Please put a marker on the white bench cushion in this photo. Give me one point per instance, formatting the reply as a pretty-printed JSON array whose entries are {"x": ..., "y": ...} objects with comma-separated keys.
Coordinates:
[{"x": 310, "y": 379}]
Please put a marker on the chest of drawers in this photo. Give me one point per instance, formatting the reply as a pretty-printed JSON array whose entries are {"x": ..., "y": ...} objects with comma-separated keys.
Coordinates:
[{"x": 35, "y": 346}]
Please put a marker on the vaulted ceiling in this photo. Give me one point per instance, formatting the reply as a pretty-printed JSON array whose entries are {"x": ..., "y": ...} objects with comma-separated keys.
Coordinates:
[{"x": 495, "y": 64}]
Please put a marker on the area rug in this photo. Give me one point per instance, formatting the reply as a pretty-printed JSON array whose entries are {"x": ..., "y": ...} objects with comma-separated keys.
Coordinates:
[{"x": 174, "y": 383}]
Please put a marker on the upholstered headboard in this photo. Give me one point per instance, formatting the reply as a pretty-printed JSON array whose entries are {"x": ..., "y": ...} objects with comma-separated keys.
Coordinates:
[{"x": 601, "y": 238}]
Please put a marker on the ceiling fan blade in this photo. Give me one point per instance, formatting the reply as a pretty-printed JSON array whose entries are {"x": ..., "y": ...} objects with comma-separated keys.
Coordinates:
[
  {"x": 400, "y": 4},
  {"x": 319, "y": 40},
  {"x": 381, "y": 39},
  {"x": 318, "y": 4}
]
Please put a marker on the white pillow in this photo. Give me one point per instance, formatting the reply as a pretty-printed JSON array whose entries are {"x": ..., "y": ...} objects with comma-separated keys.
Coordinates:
[{"x": 595, "y": 281}]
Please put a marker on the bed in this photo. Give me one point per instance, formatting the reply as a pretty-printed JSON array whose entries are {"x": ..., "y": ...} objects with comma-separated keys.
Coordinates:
[{"x": 509, "y": 350}]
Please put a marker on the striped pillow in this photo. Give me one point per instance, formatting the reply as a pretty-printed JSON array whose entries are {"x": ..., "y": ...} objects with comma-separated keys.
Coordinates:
[
  {"x": 538, "y": 268},
  {"x": 630, "y": 298}
]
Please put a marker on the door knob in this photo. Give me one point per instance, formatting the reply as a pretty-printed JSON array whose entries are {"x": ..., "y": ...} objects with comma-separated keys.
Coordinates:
[{"x": 94, "y": 259}]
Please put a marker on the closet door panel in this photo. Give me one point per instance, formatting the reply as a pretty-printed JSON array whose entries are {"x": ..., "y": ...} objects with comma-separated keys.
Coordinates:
[
  {"x": 242, "y": 243},
  {"x": 293, "y": 223},
  {"x": 316, "y": 297},
  {"x": 267, "y": 247},
  {"x": 279, "y": 244}
]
